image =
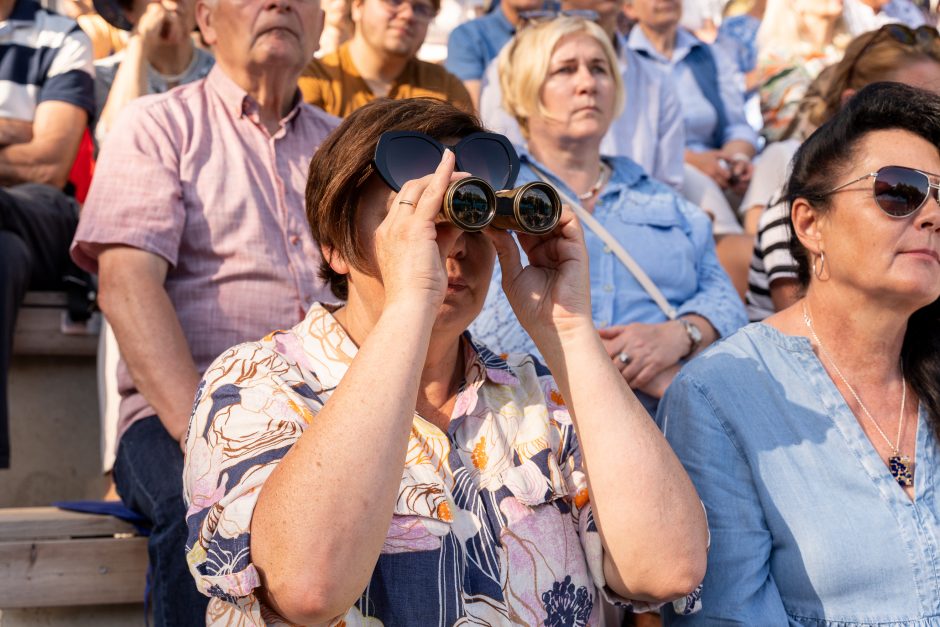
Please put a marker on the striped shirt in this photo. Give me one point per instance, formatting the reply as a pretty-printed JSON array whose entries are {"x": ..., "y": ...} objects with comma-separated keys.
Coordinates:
[
  {"x": 771, "y": 261},
  {"x": 43, "y": 56}
]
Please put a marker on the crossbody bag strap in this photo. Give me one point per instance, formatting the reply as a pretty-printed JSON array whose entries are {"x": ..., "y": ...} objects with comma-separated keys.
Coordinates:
[{"x": 629, "y": 262}]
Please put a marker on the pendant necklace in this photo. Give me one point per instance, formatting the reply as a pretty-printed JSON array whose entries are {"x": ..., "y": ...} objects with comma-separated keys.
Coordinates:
[
  {"x": 598, "y": 184},
  {"x": 901, "y": 466}
]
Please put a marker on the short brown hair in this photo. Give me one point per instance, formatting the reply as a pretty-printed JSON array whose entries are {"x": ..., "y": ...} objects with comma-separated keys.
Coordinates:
[{"x": 342, "y": 166}]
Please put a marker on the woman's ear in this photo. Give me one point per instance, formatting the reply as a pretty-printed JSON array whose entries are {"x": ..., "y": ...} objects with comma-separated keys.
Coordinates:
[
  {"x": 808, "y": 226},
  {"x": 336, "y": 261},
  {"x": 355, "y": 11}
]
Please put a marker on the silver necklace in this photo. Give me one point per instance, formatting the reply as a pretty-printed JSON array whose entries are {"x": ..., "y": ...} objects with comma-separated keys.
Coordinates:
[
  {"x": 901, "y": 466},
  {"x": 598, "y": 184}
]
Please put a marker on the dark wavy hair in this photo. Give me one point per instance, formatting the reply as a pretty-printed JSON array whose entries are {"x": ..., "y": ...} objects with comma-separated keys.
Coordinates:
[
  {"x": 827, "y": 156},
  {"x": 342, "y": 168}
]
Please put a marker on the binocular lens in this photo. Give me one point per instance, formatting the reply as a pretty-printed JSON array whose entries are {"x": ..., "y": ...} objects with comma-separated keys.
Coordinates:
[
  {"x": 470, "y": 204},
  {"x": 537, "y": 212}
]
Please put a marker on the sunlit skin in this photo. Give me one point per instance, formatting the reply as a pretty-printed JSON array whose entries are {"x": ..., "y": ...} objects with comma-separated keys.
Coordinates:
[
  {"x": 891, "y": 260},
  {"x": 468, "y": 260},
  {"x": 577, "y": 96},
  {"x": 818, "y": 8},
  {"x": 395, "y": 31},
  {"x": 655, "y": 14}
]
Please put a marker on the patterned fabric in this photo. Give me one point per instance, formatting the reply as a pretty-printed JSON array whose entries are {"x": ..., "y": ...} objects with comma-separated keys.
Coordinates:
[
  {"x": 861, "y": 18},
  {"x": 493, "y": 524},
  {"x": 193, "y": 176},
  {"x": 737, "y": 36}
]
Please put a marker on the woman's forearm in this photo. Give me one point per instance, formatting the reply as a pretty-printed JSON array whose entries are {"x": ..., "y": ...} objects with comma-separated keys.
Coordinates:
[
  {"x": 646, "y": 508},
  {"x": 130, "y": 83},
  {"x": 323, "y": 514}
]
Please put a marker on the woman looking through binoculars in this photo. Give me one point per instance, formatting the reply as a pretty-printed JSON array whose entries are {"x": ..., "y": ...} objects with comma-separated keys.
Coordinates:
[
  {"x": 376, "y": 461},
  {"x": 564, "y": 89}
]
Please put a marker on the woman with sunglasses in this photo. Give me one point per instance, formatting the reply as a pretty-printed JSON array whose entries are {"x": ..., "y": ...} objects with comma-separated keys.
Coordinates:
[
  {"x": 812, "y": 437},
  {"x": 563, "y": 91},
  {"x": 376, "y": 465},
  {"x": 892, "y": 53}
]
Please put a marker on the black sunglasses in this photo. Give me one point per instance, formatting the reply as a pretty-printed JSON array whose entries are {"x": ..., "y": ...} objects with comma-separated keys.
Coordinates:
[
  {"x": 402, "y": 156},
  {"x": 899, "y": 191},
  {"x": 923, "y": 37}
]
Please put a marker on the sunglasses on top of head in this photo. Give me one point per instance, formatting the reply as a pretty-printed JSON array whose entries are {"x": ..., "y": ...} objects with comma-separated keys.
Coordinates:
[
  {"x": 899, "y": 191},
  {"x": 481, "y": 199},
  {"x": 924, "y": 38}
]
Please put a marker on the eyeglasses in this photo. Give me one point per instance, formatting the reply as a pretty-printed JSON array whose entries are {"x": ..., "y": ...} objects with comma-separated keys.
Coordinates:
[
  {"x": 924, "y": 38},
  {"x": 899, "y": 191},
  {"x": 402, "y": 156},
  {"x": 421, "y": 10},
  {"x": 543, "y": 15}
]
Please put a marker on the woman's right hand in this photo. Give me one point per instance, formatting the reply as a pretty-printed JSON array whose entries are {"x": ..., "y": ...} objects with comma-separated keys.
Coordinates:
[{"x": 411, "y": 245}]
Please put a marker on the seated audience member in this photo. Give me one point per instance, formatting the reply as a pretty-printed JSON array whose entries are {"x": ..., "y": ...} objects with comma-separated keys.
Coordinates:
[
  {"x": 564, "y": 91},
  {"x": 862, "y": 16},
  {"x": 159, "y": 56},
  {"x": 451, "y": 485},
  {"x": 46, "y": 99},
  {"x": 337, "y": 26},
  {"x": 796, "y": 40},
  {"x": 195, "y": 225},
  {"x": 379, "y": 61},
  {"x": 473, "y": 45},
  {"x": 719, "y": 141},
  {"x": 649, "y": 130},
  {"x": 812, "y": 437},
  {"x": 892, "y": 53}
]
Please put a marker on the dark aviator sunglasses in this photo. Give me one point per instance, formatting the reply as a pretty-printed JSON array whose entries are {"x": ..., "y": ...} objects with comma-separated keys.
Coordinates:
[{"x": 899, "y": 191}]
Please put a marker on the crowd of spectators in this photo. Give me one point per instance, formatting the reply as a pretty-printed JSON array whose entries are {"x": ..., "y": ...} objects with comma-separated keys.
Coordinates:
[{"x": 160, "y": 150}]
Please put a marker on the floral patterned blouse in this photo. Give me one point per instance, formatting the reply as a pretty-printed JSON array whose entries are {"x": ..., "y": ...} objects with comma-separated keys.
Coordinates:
[{"x": 493, "y": 524}]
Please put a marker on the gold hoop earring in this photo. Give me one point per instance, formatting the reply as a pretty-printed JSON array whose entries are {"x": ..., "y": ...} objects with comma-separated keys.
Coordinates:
[{"x": 818, "y": 270}]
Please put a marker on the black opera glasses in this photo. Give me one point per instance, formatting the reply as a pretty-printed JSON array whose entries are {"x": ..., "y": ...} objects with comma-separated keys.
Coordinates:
[{"x": 480, "y": 200}]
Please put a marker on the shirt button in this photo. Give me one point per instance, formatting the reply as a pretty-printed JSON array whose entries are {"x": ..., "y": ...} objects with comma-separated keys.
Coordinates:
[
  {"x": 607, "y": 249},
  {"x": 294, "y": 240},
  {"x": 608, "y": 288},
  {"x": 602, "y": 323}
]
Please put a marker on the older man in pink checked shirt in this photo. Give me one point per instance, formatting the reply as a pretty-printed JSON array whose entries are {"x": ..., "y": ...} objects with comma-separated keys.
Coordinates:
[{"x": 195, "y": 224}]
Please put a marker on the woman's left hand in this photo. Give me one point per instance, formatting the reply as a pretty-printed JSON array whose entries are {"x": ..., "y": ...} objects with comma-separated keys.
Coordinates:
[
  {"x": 551, "y": 294},
  {"x": 649, "y": 349}
]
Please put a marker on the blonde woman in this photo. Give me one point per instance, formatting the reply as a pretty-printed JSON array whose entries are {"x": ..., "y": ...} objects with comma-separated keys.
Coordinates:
[{"x": 564, "y": 91}]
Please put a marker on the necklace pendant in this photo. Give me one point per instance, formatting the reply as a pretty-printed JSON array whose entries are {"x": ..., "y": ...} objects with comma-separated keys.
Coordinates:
[{"x": 902, "y": 469}]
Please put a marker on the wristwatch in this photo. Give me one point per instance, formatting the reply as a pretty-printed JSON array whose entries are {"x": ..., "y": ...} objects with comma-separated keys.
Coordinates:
[{"x": 695, "y": 335}]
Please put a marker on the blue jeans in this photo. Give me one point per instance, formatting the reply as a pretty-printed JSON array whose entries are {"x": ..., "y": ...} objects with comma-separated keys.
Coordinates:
[{"x": 148, "y": 473}]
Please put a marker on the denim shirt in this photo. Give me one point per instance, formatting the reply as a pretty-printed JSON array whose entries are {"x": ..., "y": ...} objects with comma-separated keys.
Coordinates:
[
  {"x": 669, "y": 237},
  {"x": 808, "y": 527},
  {"x": 472, "y": 45}
]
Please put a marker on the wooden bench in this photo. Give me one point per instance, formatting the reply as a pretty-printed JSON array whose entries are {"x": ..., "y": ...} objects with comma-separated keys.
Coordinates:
[
  {"x": 53, "y": 558},
  {"x": 42, "y": 328}
]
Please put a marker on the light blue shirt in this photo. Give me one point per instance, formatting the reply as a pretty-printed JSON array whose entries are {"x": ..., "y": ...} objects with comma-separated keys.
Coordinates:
[
  {"x": 861, "y": 18},
  {"x": 670, "y": 238},
  {"x": 808, "y": 527},
  {"x": 472, "y": 45},
  {"x": 650, "y": 130},
  {"x": 699, "y": 114}
]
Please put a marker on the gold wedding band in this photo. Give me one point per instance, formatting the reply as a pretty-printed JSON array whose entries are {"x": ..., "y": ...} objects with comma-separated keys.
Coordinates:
[{"x": 407, "y": 202}]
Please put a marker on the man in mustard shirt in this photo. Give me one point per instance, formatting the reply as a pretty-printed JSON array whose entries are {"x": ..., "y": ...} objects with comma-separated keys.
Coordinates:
[{"x": 379, "y": 61}]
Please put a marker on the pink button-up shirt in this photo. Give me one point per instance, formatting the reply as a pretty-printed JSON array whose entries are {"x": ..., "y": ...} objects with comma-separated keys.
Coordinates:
[{"x": 194, "y": 177}]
